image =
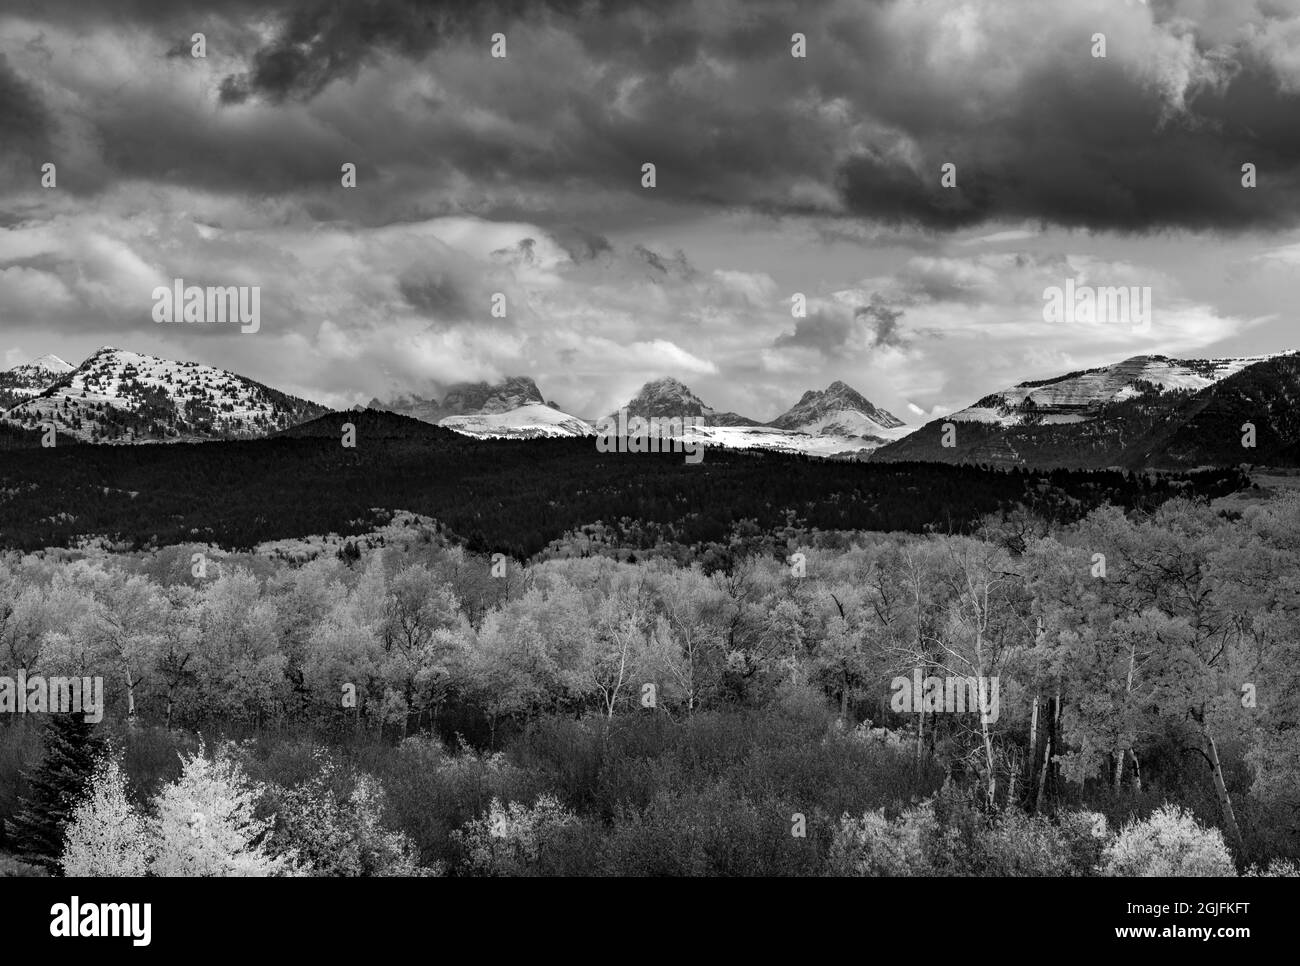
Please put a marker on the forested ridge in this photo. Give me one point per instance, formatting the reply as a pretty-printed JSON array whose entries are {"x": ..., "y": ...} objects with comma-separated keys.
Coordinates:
[
  {"x": 1154, "y": 429},
  {"x": 511, "y": 496}
]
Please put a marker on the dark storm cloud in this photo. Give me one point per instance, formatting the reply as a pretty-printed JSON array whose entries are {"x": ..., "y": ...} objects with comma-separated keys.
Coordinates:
[
  {"x": 524, "y": 252},
  {"x": 664, "y": 266},
  {"x": 826, "y": 330},
  {"x": 1151, "y": 136},
  {"x": 326, "y": 40},
  {"x": 883, "y": 322},
  {"x": 24, "y": 123},
  {"x": 437, "y": 294},
  {"x": 580, "y": 244}
]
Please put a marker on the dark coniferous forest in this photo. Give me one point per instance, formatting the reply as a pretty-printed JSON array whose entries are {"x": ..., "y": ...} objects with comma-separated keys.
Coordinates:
[{"x": 514, "y": 497}]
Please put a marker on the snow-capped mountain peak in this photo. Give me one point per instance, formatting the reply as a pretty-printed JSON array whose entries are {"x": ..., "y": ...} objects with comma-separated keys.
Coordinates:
[
  {"x": 666, "y": 397},
  {"x": 669, "y": 397},
  {"x": 839, "y": 410},
  {"x": 482, "y": 397},
  {"x": 467, "y": 399},
  {"x": 122, "y": 396},
  {"x": 51, "y": 363},
  {"x": 30, "y": 379},
  {"x": 836, "y": 422},
  {"x": 513, "y": 408},
  {"x": 524, "y": 422}
]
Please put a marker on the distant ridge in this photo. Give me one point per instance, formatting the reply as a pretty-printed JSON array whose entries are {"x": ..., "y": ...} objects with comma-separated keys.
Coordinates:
[
  {"x": 369, "y": 424},
  {"x": 1147, "y": 412}
]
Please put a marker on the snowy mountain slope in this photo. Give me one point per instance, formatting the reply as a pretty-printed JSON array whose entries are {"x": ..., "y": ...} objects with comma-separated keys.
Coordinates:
[
  {"x": 117, "y": 396},
  {"x": 1076, "y": 396},
  {"x": 783, "y": 440},
  {"x": 524, "y": 422},
  {"x": 31, "y": 378},
  {"x": 512, "y": 408},
  {"x": 838, "y": 410},
  {"x": 1142, "y": 413},
  {"x": 837, "y": 421}
]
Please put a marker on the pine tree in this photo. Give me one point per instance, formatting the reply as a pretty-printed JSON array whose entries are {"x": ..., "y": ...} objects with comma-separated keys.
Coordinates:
[{"x": 72, "y": 751}]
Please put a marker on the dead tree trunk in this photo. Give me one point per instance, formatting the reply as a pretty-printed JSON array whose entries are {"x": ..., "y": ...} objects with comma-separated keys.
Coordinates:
[{"x": 1220, "y": 787}]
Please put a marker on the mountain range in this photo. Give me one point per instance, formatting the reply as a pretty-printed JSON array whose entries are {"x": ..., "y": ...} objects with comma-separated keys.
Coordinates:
[
  {"x": 1148, "y": 411},
  {"x": 117, "y": 396},
  {"x": 837, "y": 421},
  {"x": 834, "y": 422}
]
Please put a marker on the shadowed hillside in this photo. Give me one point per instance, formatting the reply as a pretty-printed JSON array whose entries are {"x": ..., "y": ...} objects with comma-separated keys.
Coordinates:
[{"x": 512, "y": 496}]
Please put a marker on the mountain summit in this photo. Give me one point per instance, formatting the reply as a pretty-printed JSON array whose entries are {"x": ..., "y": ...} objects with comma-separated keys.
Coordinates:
[
  {"x": 49, "y": 363},
  {"x": 467, "y": 398},
  {"x": 512, "y": 408},
  {"x": 668, "y": 397},
  {"x": 835, "y": 422},
  {"x": 30, "y": 378},
  {"x": 840, "y": 410},
  {"x": 117, "y": 396}
]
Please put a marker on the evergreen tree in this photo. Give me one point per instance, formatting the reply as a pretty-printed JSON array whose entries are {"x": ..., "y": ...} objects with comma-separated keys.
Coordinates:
[{"x": 72, "y": 752}]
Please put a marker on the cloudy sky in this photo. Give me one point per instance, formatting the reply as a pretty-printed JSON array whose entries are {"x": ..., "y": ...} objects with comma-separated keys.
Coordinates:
[{"x": 775, "y": 175}]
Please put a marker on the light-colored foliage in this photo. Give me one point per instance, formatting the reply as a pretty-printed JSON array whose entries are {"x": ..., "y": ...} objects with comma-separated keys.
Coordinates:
[
  {"x": 334, "y": 825},
  {"x": 205, "y": 823},
  {"x": 107, "y": 836},
  {"x": 1169, "y": 842},
  {"x": 874, "y": 846},
  {"x": 509, "y": 839}
]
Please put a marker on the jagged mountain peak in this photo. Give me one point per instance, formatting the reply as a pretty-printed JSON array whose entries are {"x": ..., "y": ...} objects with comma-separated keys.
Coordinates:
[
  {"x": 838, "y": 409},
  {"x": 484, "y": 397},
  {"x": 669, "y": 397},
  {"x": 666, "y": 384},
  {"x": 467, "y": 399},
  {"x": 666, "y": 396}
]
